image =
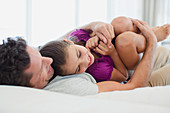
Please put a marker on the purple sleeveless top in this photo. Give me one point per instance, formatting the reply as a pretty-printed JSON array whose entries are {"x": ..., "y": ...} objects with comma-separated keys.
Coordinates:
[{"x": 102, "y": 67}]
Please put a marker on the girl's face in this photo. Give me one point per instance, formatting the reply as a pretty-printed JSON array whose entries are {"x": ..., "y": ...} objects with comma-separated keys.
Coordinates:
[{"x": 78, "y": 59}]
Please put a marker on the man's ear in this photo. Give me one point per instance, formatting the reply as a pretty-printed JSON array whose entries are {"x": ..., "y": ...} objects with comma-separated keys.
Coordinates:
[{"x": 69, "y": 41}]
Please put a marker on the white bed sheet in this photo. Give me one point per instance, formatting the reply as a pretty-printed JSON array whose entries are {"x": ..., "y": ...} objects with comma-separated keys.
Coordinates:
[{"x": 28, "y": 100}]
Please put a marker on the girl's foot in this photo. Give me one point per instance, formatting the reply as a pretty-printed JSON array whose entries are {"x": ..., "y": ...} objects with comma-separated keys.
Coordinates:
[{"x": 162, "y": 32}]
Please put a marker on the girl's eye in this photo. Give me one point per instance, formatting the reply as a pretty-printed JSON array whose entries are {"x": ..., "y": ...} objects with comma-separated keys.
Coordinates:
[
  {"x": 78, "y": 68},
  {"x": 79, "y": 54}
]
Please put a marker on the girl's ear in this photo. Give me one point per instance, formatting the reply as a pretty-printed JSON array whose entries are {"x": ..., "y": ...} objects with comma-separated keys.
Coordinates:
[{"x": 69, "y": 41}]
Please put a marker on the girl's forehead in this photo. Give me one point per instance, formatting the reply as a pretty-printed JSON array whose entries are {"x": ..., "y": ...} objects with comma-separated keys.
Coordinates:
[{"x": 71, "y": 61}]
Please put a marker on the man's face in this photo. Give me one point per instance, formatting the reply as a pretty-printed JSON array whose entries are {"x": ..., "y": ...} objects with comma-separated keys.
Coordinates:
[{"x": 40, "y": 67}]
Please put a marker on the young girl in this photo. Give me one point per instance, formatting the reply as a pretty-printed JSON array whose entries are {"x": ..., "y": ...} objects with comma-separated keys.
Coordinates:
[{"x": 71, "y": 59}]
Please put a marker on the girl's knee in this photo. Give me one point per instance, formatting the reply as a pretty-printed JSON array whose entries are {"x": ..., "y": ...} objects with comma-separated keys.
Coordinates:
[
  {"x": 122, "y": 24},
  {"x": 120, "y": 20},
  {"x": 125, "y": 40},
  {"x": 131, "y": 40}
]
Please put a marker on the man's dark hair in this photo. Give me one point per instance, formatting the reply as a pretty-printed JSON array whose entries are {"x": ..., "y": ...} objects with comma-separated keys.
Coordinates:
[
  {"x": 14, "y": 59},
  {"x": 57, "y": 50}
]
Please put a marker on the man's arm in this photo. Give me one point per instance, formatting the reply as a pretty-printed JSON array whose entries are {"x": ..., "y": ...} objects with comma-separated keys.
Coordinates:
[
  {"x": 143, "y": 70},
  {"x": 103, "y": 30}
]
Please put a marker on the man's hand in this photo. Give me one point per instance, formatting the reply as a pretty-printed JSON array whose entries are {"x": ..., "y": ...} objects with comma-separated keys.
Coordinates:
[
  {"x": 145, "y": 30},
  {"x": 144, "y": 68},
  {"x": 104, "y": 31}
]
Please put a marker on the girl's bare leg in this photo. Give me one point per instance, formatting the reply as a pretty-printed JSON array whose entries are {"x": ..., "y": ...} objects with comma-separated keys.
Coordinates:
[
  {"x": 123, "y": 24},
  {"x": 128, "y": 49},
  {"x": 162, "y": 32},
  {"x": 128, "y": 46}
]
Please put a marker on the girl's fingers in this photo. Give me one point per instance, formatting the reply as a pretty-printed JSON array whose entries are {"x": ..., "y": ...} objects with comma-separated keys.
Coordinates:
[
  {"x": 98, "y": 50},
  {"x": 87, "y": 48},
  {"x": 92, "y": 44},
  {"x": 96, "y": 41},
  {"x": 88, "y": 45},
  {"x": 102, "y": 46},
  {"x": 102, "y": 37}
]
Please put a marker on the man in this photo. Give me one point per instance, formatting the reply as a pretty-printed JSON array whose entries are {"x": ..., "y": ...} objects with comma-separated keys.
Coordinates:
[{"x": 23, "y": 65}]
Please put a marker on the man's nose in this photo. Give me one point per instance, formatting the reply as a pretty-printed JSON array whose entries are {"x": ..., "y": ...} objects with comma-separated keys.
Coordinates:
[{"x": 48, "y": 60}]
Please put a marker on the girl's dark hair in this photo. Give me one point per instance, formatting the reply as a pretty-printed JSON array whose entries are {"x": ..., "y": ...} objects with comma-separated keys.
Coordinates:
[
  {"x": 77, "y": 41},
  {"x": 57, "y": 50}
]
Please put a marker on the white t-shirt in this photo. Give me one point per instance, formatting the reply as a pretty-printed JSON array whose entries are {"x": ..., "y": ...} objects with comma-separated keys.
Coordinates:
[{"x": 78, "y": 84}]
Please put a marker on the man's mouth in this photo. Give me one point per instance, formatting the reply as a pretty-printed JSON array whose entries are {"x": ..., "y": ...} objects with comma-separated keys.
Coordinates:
[{"x": 50, "y": 69}]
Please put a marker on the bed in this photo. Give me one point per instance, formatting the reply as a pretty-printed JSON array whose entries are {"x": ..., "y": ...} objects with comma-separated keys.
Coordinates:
[{"x": 15, "y": 99}]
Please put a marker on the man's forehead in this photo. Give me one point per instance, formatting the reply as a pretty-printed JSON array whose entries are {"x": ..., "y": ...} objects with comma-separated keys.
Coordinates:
[
  {"x": 33, "y": 51},
  {"x": 35, "y": 58},
  {"x": 29, "y": 49}
]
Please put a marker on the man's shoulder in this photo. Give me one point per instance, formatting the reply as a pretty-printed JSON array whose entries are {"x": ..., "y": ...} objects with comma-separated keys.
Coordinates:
[
  {"x": 78, "y": 84},
  {"x": 82, "y": 76}
]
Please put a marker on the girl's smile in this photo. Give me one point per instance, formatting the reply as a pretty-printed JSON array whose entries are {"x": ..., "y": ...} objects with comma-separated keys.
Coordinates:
[{"x": 78, "y": 59}]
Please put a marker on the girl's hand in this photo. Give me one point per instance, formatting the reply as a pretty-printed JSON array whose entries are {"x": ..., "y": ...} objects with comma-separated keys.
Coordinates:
[
  {"x": 103, "y": 49},
  {"x": 104, "y": 31},
  {"x": 92, "y": 42}
]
